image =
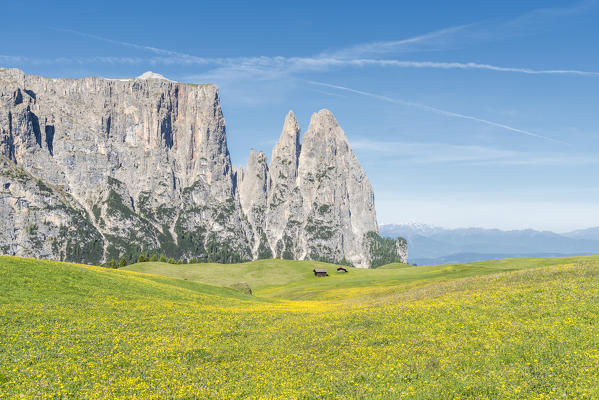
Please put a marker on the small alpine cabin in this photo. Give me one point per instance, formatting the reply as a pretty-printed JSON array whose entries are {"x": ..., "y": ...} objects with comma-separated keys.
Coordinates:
[
  {"x": 321, "y": 272},
  {"x": 341, "y": 269}
]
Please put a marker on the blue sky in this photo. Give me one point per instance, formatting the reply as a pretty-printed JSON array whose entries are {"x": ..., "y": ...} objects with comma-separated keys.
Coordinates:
[{"x": 462, "y": 113}]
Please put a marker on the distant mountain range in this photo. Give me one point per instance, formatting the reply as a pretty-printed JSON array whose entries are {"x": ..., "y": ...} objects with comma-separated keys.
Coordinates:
[{"x": 433, "y": 245}]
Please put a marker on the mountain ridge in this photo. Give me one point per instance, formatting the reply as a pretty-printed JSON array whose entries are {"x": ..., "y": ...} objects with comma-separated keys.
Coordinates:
[
  {"x": 142, "y": 165},
  {"x": 436, "y": 245}
]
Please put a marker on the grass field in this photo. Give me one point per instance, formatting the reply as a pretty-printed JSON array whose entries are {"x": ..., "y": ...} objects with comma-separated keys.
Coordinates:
[
  {"x": 520, "y": 329},
  {"x": 294, "y": 280}
]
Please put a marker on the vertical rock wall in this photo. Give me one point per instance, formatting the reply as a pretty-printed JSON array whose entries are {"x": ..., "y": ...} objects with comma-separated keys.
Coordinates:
[{"x": 94, "y": 169}]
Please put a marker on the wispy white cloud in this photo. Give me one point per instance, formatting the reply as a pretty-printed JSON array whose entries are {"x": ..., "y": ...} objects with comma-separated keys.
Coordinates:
[
  {"x": 468, "y": 34},
  {"x": 432, "y": 40},
  {"x": 466, "y": 65},
  {"x": 444, "y": 153},
  {"x": 357, "y": 56},
  {"x": 439, "y": 111},
  {"x": 152, "y": 49},
  {"x": 279, "y": 67},
  {"x": 22, "y": 60},
  {"x": 234, "y": 69},
  {"x": 543, "y": 16},
  {"x": 328, "y": 93},
  {"x": 12, "y": 60},
  {"x": 428, "y": 153}
]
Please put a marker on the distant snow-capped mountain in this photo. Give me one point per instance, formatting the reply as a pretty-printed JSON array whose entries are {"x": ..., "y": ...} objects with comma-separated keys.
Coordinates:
[
  {"x": 434, "y": 245},
  {"x": 589, "y": 233},
  {"x": 410, "y": 229}
]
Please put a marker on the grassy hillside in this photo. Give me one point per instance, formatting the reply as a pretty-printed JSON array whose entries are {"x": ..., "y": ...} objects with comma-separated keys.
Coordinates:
[
  {"x": 294, "y": 280},
  {"x": 258, "y": 274},
  {"x": 73, "y": 331}
]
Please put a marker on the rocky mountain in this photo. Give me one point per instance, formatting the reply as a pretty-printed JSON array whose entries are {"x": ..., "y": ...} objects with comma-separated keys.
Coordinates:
[
  {"x": 434, "y": 245},
  {"x": 314, "y": 200},
  {"x": 96, "y": 169},
  {"x": 588, "y": 233}
]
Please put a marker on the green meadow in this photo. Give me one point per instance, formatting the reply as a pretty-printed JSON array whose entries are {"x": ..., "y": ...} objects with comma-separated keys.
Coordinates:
[{"x": 509, "y": 329}]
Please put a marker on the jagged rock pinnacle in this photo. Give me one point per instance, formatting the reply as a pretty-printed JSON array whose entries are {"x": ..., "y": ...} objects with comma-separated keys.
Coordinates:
[{"x": 320, "y": 205}]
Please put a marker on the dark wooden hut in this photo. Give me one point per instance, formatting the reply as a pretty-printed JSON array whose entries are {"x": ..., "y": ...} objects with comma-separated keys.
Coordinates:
[{"x": 321, "y": 272}]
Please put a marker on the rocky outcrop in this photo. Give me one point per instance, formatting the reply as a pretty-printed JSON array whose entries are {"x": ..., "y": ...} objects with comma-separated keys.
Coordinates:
[
  {"x": 41, "y": 221},
  {"x": 285, "y": 213},
  {"x": 95, "y": 169},
  {"x": 146, "y": 159},
  {"x": 385, "y": 250},
  {"x": 252, "y": 183},
  {"x": 319, "y": 202},
  {"x": 338, "y": 198}
]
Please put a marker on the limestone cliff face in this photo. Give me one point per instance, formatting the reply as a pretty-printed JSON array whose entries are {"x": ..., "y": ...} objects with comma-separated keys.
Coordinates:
[
  {"x": 39, "y": 221},
  {"x": 338, "y": 199},
  {"x": 94, "y": 169},
  {"x": 319, "y": 202},
  {"x": 284, "y": 218},
  {"x": 145, "y": 159},
  {"x": 252, "y": 185}
]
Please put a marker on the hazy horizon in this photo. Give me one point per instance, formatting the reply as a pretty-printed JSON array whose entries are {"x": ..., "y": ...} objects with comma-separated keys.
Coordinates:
[{"x": 506, "y": 229}]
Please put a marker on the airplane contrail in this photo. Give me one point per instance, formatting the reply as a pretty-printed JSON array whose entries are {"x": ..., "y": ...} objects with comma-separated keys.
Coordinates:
[
  {"x": 439, "y": 111},
  {"x": 325, "y": 61}
]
